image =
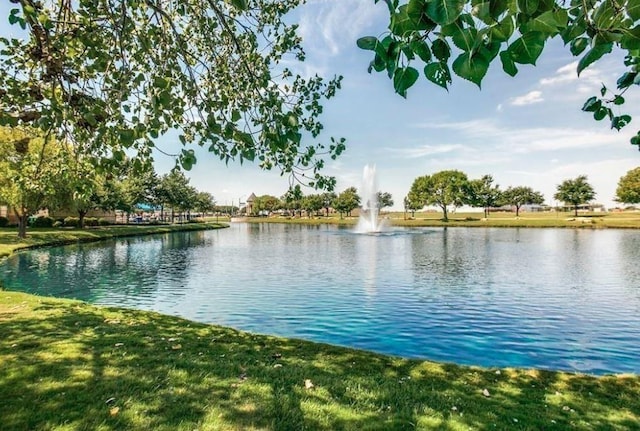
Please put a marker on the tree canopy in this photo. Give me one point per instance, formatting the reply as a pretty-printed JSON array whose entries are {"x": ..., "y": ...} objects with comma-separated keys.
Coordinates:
[
  {"x": 443, "y": 189},
  {"x": 483, "y": 193},
  {"x": 575, "y": 192},
  {"x": 521, "y": 195},
  {"x": 112, "y": 76},
  {"x": 467, "y": 36},
  {"x": 628, "y": 190}
]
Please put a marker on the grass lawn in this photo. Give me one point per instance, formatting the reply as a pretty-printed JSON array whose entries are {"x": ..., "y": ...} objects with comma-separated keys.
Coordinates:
[
  {"x": 36, "y": 237},
  {"x": 498, "y": 219},
  {"x": 67, "y": 365}
]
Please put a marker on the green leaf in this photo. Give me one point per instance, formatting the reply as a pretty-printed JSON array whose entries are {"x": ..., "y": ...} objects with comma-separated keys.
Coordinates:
[
  {"x": 368, "y": 43},
  {"x": 619, "y": 122},
  {"x": 601, "y": 113},
  {"x": 528, "y": 7},
  {"x": 508, "y": 64},
  {"x": 239, "y": 4},
  {"x": 235, "y": 115},
  {"x": 633, "y": 9},
  {"x": 503, "y": 31},
  {"x": 444, "y": 12},
  {"x": 378, "y": 64},
  {"x": 579, "y": 45},
  {"x": 441, "y": 50},
  {"x": 635, "y": 140},
  {"x": 527, "y": 48},
  {"x": 592, "y": 104},
  {"x": 438, "y": 73},
  {"x": 498, "y": 7},
  {"x": 545, "y": 23},
  {"x": 618, "y": 100},
  {"x": 465, "y": 39},
  {"x": 416, "y": 10},
  {"x": 404, "y": 78},
  {"x": 626, "y": 80},
  {"x": 472, "y": 68},
  {"x": 421, "y": 49},
  {"x": 603, "y": 90},
  {"x": 482, "y": 10},
  {"x": 593, "y": 54}
]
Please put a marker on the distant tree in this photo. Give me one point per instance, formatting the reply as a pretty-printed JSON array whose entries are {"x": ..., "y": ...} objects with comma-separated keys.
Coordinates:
[
  {"x": 410, "y": 205},
  {"x": 575, "y": 192},
  {"x": 385, "y": 200},
  {"x": 293, "y": 199},
  {"x": 443, "y": 189},
  {"x": 628, "y": 190},
  {"x": 347, "y": 201},
  {"x": 176, "y": 191},
  {"x": 483, "y": 194},
  {"x": 266, "y": 203},
  {"x": 204, "y": 202},
  {"x": 518, "y": 196},
  {"x": 312, "y": 204},
  {"x": 31, "y": 170},
  {"x": 327, "y": 201}
]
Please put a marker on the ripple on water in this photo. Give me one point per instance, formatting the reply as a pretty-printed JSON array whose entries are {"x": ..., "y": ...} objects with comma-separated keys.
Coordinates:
[{"x": 540, "y": 298}]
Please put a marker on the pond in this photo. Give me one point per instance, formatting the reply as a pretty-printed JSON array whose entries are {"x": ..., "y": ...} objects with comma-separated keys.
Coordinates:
[{"x": 543, "y": 298}]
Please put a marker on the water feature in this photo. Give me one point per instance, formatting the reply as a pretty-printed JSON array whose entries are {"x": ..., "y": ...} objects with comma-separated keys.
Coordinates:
[
  {"x": 545, "y": 298},
  {"x": 369, "y": 221}
]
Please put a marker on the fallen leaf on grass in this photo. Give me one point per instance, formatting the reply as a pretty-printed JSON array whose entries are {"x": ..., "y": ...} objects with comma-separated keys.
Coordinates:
[
  {"x": 486, "y": 393},
  {"x": 308, "y": 384},
  {"x": 176, "y": 347},
  {"x": 114, "y": 411}
]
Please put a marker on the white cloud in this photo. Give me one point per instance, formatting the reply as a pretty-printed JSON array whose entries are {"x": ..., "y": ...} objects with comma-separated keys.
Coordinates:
[
  {"x": 569, "y": 73},
  {"x": 329, "y": 26},
  {"x": 424, "y": 150},
  {"x": 527, "y": 99}
]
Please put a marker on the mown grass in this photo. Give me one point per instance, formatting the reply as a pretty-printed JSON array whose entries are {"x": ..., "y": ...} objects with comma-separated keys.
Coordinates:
[
  {"x": 67, "y": 365},
  {"x": 498, "y": 219},
  {"x": 39, "y": 237}
]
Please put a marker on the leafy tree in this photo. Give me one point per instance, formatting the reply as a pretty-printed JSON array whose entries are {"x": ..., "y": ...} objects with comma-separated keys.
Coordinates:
[
  {"x": 312, "y": 204},
  {"x": 443, "y": 189},
  {"x": 412, "y": 203},
  {"x": 482, "y": 193},
  {"x": 31, "y": 170},
  {"x": 327, "y": 201},
  {"x": 518, "y": 196},
  {"x": 347, "y": 201},
  {"x": 628, "y": 190},
  {"x": 466, "y": 36},
  {"x": 176, "y": 192},
  {"x": 114, "y": 76},
  {"x": 204, "y": 202},
  {"x": 575, "y": 192},
  {"x": 293, "y": 199},
  {"x": 266, "y": 203},
  {"x": 384, "y": 200}
]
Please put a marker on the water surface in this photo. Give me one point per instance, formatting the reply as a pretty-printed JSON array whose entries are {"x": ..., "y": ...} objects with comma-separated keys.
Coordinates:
[{"x": 544, "y": 298}]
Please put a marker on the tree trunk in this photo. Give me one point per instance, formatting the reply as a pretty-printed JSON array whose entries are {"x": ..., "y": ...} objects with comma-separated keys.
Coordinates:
[
  {"x": 81, "y": 214},
  {"x": 517, "y": 210},
  {"x": 575, "y": 210},
  {"x": 23, "y": 219},
  {"x": 444, "y": 211}
]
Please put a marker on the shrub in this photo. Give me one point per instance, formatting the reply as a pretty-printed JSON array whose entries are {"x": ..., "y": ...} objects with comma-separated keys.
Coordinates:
[
  {"x": 103, "y": 222},
  {"x": 71, "y": 222},
  {"x": 42, "y": 221},
  {"x": 57, "y": 223},
  {"x": 90, "y": 221},
  {"x": 4, "y": 222}
]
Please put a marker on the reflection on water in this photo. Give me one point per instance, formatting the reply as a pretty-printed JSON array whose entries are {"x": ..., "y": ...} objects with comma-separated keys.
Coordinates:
[{"x": 547, "y": 298}]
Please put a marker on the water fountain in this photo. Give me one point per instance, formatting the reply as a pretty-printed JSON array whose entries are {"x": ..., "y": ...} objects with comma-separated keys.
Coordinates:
[{"x": 369, "y": 221}]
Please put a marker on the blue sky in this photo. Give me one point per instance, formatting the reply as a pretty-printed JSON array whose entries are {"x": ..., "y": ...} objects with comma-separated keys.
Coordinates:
[{"x": 527, "y": 130}]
